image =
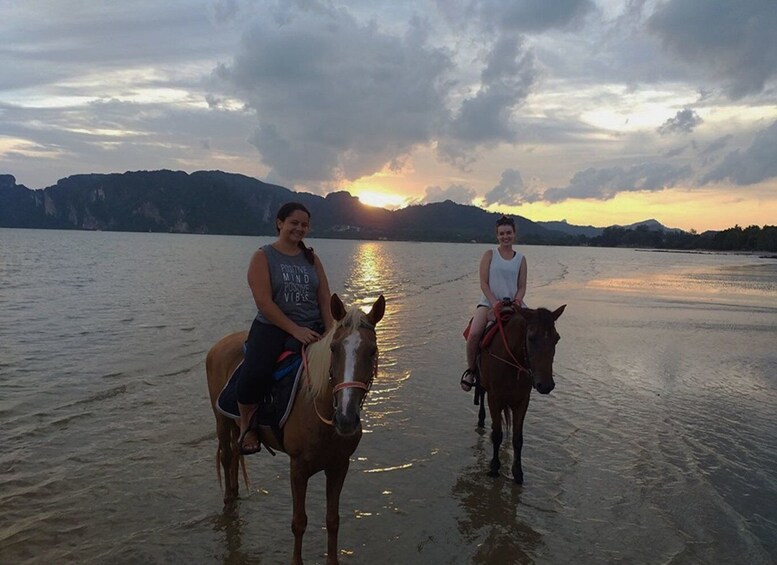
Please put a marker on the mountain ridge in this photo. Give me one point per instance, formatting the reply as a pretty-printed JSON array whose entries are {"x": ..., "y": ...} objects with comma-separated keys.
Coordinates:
[{"x": 233, "y": 204}]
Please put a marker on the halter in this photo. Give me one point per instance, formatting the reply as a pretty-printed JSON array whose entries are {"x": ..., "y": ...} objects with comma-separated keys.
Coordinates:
[
  {"x": 515, "y": 363},
  {"x": 344, "y": 385}
]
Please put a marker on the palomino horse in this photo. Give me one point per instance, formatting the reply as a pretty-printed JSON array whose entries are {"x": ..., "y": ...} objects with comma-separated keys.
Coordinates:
[
  {"x": 519, "y": 357},
  {"x": 323, "y": 428}
]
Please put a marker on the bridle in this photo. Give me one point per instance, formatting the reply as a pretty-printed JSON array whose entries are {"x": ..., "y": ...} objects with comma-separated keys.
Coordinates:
[
  {"x": 513, "y": 362},
  {"x": 347, "y": 384}
]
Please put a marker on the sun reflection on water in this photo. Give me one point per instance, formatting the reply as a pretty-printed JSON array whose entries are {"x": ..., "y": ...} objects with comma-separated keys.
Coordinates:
[{"x": 368, "y": 275}]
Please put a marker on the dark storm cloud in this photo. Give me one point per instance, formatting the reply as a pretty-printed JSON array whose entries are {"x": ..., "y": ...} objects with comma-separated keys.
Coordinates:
[
  {"x": 509, "y": 191},
  {"x": 752, "y": 165},
  {"x": 733, "y": 41},
  {"x": 505, "y": 83},
  {"x": 335, "y": 98},
  {"x": 717, "y": 145},
  {"x": 528, "y": 16},
  {"x": 684, "y": 122},
  {"x": 604, "y": 184},
  {"x": 455, "y": 192},
  {"x": 487, "y": 117}
]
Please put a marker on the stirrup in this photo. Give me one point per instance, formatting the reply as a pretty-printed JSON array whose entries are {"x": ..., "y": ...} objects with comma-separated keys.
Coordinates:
[{"x": 465, "y": 382}]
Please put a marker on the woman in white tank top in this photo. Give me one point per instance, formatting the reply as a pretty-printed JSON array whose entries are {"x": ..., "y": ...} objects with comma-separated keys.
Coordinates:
[{"x": 502, "y": 275}]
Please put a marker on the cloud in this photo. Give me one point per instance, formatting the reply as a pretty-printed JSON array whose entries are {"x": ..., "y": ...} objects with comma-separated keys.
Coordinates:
[
  {"x": 456, "y": 192},
  {"x": 115, "y": 136},
  {"x": 487, "y": 118},
  {"x": 505, "y": 83},
  {"x": 676, "y": 152},
  {"x": 530, "y": 16},
  {"x": 717, "y": 145},
  {"x": 335, "y": 98},
  {"x": 684, "y": 122},
  {"x": 752, "y": 165},
  {"x": 509, "y": 191},
  {"x": 733, "y": 41},
  {"x": 604, "y": 184}
]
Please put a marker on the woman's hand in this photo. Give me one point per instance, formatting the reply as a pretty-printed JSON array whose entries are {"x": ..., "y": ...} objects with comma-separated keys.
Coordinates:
[{"x": 306, "y": 336}]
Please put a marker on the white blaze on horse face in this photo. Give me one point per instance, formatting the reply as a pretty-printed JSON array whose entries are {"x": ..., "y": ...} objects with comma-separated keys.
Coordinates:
[{"x": 350, "y": 347}]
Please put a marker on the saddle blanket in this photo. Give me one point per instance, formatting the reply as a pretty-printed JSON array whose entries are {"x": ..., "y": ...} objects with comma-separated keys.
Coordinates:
[
  {"x": 284, "y": 386},
  {"x": 488, "y": 333}
]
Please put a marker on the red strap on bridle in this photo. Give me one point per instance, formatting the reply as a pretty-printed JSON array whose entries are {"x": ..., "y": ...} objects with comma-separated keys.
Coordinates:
[
  {"x": 516, "y": 363},
  {"x": 350, "y": 384}
]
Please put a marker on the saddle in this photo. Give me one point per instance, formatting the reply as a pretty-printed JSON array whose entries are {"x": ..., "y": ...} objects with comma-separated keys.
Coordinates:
[
  {"x": 275, "y": 410},
  {"x": 492, "y": 328}
]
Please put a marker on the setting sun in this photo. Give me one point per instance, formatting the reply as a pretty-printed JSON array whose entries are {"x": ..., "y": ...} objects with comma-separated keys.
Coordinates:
[{"x": 380, "y": 199}]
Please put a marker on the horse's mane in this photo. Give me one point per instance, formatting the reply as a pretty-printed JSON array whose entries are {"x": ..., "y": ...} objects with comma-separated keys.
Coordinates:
[{"x": 320, "y": 355}]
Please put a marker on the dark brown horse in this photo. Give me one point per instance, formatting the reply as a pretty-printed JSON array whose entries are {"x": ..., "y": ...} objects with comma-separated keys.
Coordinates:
[
  {"x": 519, "y": 358},
  {"x": 323, "y": 428}
]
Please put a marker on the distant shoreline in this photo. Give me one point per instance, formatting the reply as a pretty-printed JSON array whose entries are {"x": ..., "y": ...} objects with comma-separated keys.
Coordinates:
[{"x": 758, "y": 254}]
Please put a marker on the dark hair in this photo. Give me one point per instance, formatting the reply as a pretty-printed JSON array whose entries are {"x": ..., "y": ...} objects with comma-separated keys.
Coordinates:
[
  {"x": 284, "y": 212},
  {"x": 506, "y": 221}
]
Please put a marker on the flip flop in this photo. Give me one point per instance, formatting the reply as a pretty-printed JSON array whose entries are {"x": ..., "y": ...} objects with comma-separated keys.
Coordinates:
[
  {"x": 246, "y": 451},
  {"x": 465, "y": 380}
]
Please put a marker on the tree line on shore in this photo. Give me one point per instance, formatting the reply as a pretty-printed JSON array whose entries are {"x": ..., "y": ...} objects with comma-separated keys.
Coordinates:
[{"x": 750, "y": 239}]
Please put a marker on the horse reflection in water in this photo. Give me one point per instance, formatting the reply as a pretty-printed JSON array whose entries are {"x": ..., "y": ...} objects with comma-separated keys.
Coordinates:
[
  {"x": 519, "y": 357},
  {"x": 323, "y": 428}
]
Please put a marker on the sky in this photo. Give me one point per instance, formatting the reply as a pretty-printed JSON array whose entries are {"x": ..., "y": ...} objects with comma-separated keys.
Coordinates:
[{"x": 597, "y": 112}]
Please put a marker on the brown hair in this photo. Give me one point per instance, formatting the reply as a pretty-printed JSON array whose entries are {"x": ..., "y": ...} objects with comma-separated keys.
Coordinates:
[
  {"x": 284, "y": 212},
  {"x": 506, "y": 221}
]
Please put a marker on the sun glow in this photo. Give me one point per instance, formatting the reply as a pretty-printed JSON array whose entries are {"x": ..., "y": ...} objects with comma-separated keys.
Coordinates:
[{"x": 379, "y": 199}]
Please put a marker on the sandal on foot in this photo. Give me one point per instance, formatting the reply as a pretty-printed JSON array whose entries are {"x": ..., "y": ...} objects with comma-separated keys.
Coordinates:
[
  {"x": 467, "y": 380},
  {"x": 244, "y": 450}
]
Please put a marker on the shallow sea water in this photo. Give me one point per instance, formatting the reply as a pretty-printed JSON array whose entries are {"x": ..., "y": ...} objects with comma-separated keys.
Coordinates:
[{"x": 657, "y": 446}]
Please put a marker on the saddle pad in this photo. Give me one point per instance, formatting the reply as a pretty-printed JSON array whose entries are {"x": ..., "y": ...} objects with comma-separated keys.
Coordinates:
[{"x": 282, "y": 392}]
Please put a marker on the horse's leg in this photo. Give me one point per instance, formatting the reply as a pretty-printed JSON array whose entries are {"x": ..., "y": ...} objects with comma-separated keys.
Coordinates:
[
  {"x": 519, "y": 413},
  {"x": 226, "y": 431},
  {"x": 496, "y": 436},
  {"x": 335, "y": 477},
  {"x": 299, "y": 520}
]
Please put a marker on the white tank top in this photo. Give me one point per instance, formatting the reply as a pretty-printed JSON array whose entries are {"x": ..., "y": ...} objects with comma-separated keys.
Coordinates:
[{"x": 503, "y": 276}]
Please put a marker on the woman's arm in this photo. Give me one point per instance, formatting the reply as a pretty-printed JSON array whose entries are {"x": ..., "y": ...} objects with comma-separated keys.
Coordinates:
[
  {"x": 521, "y": 282},
  {"x": 324, "y": 296},
  {"x": 485, "y": 267},
  {"x": 261, "y": 289}
]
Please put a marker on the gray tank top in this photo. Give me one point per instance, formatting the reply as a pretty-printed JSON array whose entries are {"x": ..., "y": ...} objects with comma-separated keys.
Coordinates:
[{"x": 294, "y": 284}]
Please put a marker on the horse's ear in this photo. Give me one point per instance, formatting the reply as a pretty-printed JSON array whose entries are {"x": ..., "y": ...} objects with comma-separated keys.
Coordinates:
[
  {"x": 338, "y": 309},
  {"x": 558, "y": 312},
  {"x": 377, "y": 311}
]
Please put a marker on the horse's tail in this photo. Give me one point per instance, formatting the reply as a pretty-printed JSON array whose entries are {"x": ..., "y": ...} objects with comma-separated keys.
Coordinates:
[
  {"x": 243, "y": 467},
  {"x": 245, "y": 474},
  {"x": 218, "y": 468},
  {"x": 507, "y": 418}
]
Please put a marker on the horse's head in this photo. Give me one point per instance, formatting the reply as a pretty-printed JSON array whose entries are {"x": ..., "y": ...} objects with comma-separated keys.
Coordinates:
[
  {"x": 354, "y": 362},
  {"x": 541, "y": 340}
]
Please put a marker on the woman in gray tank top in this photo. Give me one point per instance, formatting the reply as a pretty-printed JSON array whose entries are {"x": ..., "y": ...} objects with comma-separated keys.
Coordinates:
[
  {"x": 292, "y": 297},
  {"x": 502, "y": 275}
]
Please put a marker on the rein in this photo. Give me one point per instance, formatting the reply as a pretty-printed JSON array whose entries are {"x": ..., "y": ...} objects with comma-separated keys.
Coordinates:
[
  {"x": 344, "y": 385},
  {"x": 515, "y": 363}
]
